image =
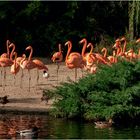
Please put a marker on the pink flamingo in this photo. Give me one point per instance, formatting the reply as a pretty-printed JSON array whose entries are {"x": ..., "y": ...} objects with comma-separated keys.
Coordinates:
[
  {"x": 57, "y": 57},
  {"x": 6, "y": 55},
  {"x": 15, "y": 67},
  {"x": 28, "y": 64},
  {"x": 89, "y": 58},
  {"x": 74, "y": 59},
  {"x": 6, "y": 62}
]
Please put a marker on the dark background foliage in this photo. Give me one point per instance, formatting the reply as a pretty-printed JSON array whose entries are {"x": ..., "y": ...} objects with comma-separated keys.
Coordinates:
[{"x": 44, "y": 24}]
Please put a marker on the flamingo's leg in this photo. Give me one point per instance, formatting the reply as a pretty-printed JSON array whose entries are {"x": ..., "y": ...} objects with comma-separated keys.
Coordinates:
[
  {"x": 75, "y": 74},
  {"x": 22, "y": 74},
  {"x": 57, "y": 70},
  {"x": 29, "y": 79},
  {"x": 4, "y": 84}
]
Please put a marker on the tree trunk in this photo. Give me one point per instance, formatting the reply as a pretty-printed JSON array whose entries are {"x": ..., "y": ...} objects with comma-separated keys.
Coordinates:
[{"x": 131, "y": 11}]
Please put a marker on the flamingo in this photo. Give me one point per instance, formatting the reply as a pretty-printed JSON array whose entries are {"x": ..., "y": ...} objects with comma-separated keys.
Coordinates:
[
  {"x": 99, "y": 57},
  {"x": 89, "y": 58},
  {"x": 129, "y": 54},
  {"x": 6, "y": 62},
  {"x": 74, "y": 59},
  {"x": 15, "y": 67},
  {"x": 57, "y": 57},
  {"x": 6, "y": 55},
  {"x": 112, "y": 59},
  {"x": 18, "y": 60},
  {"x": 117, "y": 46},
  {"x": 28, "y": 64},
  {"x": 86, "y": 56}
]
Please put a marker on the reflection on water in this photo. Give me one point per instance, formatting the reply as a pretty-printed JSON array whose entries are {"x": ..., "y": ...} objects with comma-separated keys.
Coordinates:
[{"x": 45, "y": 127}]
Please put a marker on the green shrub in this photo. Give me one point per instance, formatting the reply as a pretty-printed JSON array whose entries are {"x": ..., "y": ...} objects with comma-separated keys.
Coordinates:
[{"x": 113, "y": 92}]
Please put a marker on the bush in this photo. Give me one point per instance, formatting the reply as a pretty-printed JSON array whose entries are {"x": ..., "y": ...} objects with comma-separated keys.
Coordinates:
[{"x": 113, "y": 92}]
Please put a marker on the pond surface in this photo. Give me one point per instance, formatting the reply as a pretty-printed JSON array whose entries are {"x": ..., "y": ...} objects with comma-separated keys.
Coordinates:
[{"x": 50, "y": 128}]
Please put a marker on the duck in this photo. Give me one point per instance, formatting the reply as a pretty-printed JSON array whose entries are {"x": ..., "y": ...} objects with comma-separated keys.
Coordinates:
[
  {"x": 33, "y": 132},
  {"x": 4, "y": 99},
  {"x": 104, "y": 124}
]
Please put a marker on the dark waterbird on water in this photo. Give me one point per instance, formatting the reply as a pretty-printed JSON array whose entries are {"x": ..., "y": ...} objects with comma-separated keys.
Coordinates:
[{"x": 4, "y": 99}]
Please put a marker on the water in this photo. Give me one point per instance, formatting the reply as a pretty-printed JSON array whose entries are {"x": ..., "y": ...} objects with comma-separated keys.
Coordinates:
[{"x": 51, "y": 128}]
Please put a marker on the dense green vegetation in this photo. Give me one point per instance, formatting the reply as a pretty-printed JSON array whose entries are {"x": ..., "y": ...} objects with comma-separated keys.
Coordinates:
[
  {"x": 114, "y": 92},
  {"x": 44, "y": 24}
]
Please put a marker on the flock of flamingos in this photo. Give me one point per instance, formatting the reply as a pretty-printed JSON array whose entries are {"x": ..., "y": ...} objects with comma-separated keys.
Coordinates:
[{"x": 87, "y": 61}]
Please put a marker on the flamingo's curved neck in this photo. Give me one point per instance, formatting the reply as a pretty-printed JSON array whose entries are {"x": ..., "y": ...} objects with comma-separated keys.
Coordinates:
[
  {"x": 31, "y": 53},
  {"x": 23, "y": 59},
  {"x": 15, "y": 60},
  {"x": 91, "y": 50},
  {"x": 119, "y": 50},
  {"x": 60, "y": 50},
  {"x": 7, "y": 46},
  {"x": 69, "y": 49},
  {"x": 114, "y": 53},
  {"x": 11, "y": 54},
  {"x": 105, "y": 52},
  {"x": 139, "y": 52},
  {"x": 84, "y": 47},
  {"x": 91, "y": 46},
  {"x": 124, "y": 46}
]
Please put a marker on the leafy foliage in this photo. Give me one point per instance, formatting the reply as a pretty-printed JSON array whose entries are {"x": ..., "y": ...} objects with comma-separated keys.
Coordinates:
[{"x": 113, "y": 92}]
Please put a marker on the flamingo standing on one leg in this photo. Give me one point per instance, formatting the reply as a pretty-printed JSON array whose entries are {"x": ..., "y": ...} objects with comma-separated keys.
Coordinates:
[
  {"x": 74, "y": 59},
  {"x": 57, "y": 57},
  {"x": 28, "y": 64},
  {"x": 15, "y": 67}
]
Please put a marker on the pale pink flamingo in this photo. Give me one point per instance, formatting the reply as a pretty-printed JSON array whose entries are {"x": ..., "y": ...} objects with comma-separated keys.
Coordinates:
[
  {"x": 74, "y": 59},
  {"x": 57, "y": 58},
  {"x": 6, "y": 55},
  {"x": 15, "y": 67},
  {"x": 28, "y": 63},
  {"x": 18, "y": 60},
  {"x": 6, "y": 62}
]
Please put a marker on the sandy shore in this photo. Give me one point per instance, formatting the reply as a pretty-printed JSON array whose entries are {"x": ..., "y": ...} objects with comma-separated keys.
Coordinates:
[{"x": 23, "y": 100}]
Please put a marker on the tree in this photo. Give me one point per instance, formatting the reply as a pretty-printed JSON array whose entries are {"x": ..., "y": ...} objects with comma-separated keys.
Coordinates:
[{"x": 134, "y": 13}]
